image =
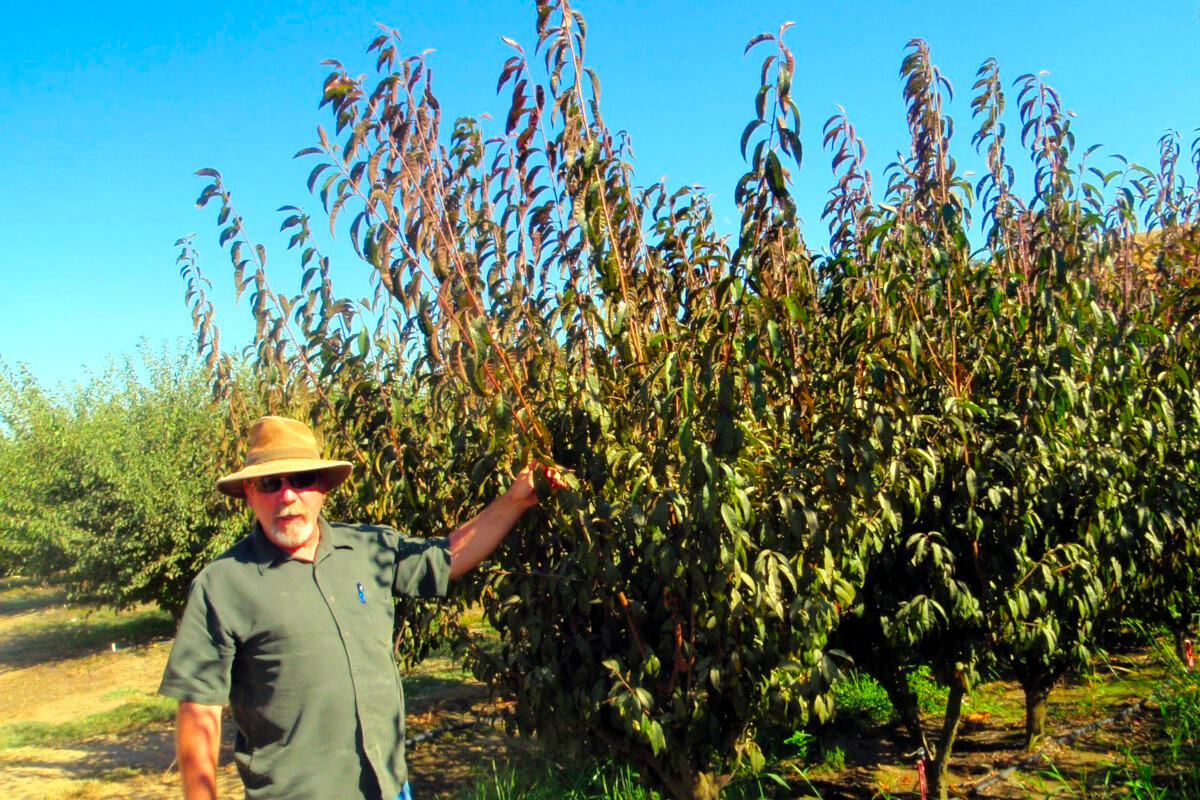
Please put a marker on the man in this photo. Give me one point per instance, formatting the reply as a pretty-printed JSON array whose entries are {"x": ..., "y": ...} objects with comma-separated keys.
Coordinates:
[{"x": 292, "y": 627}]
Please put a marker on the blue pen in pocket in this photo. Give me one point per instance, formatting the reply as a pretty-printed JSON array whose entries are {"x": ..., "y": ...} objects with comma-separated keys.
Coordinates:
[{"x": 362, "y": 598}]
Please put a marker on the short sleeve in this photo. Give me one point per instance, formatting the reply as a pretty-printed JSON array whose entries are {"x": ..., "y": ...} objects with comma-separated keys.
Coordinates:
[
  {"x": 422, "y": 567},
  {"x": 199, "y": 667}
]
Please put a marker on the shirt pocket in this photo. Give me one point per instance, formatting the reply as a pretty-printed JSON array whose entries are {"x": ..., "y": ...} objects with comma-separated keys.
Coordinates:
[{"x": 375, "y": 613}]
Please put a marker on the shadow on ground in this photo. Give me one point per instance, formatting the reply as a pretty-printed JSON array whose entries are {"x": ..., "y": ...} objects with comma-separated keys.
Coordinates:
[
  {"x": 150, "y": 749},
  {"x": 73, "y": 639}
]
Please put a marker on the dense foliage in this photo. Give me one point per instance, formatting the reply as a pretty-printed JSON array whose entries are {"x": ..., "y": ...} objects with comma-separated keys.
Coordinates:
[
  {"x": 938, "y": 454},
  {"x": 108, "y": 486}
]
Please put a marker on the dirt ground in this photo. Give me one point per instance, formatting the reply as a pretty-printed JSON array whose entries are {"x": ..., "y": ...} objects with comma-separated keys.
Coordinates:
[
  {"x": 44, "y": 679},
  {"x": 989, "y": 759}
]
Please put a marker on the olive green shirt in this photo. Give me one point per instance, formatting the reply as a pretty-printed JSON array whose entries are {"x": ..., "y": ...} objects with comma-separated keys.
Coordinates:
[{"x": 302, "y": 653}]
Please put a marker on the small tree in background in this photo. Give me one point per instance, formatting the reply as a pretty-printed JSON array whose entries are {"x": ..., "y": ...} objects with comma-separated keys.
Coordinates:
[
  {"x": 31, "y": 544},
  {"x": 114, "y": 481}
]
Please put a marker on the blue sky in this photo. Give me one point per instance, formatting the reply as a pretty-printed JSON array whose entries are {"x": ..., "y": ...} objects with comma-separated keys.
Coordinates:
[{"x": 107, "y": 110}]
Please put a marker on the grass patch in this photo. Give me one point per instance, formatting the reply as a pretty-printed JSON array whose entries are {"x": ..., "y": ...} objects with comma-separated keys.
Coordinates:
[
  {"x": 1178, "y": 698},
  {"x": 862, "y": 699},
  {"x": 601, "y": 780},
  {"x": 125, "y": 717},
  {"x": 931, "y": 698},
  {"x": 123, "y": 693},
  {"x": 118, "y": 775},
  {"x": 12, "y": 582},
  {"x": 434, "y": 674},
  {"x": 596, "y": 781},
  {"x": 87, "y": 790}
]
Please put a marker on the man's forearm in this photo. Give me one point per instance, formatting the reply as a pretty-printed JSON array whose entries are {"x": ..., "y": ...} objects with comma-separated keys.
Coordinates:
[
  {"x": 474, "y": 541},
  {"x": 197, "y": 743}
]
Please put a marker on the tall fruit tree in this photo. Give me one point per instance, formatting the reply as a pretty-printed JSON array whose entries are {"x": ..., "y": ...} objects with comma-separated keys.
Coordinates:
[{"x": 530, "y": 300}]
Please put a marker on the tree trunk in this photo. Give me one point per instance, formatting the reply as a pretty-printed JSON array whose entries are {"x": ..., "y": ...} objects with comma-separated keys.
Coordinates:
[
  {"x": 1185, "y": 629},
  {"x": 691, "y": 785},
  {"x": 1183, "y": 635},
  {"x": 1036, "y": 694},
  {"x": 1037, "y": 680},
  {"x": 904, "y": 701},
  {"x": 678, "y": 775},
  {"x": 940, "y": 777}
]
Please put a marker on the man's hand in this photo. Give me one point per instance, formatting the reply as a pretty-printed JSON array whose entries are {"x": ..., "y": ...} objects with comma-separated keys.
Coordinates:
[{"x": 523, "y": 491}]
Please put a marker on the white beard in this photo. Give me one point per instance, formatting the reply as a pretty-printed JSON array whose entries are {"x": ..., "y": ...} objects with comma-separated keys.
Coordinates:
[
  {"x": 291, "y": 539},
  {"x": 290, "y": 536}
]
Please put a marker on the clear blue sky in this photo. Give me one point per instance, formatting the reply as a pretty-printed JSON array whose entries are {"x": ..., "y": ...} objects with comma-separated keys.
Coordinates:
[{"x": 107, "y": 110}]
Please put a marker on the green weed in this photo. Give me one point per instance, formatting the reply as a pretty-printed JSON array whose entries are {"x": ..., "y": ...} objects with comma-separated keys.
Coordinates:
[
  {"x": 801, "y": 740},
  {"x": 834, "y": 758},
  {"x": 931, "y": 698},
  {"x": 601, "y": 780},
  {"x": 860, "y": 696},
  {"x": 1134, "y": 779},
  {"x": 1178, "y": 698},
  {"x": 598, "y": 781},
  {"x": 1172, "y": 767}
]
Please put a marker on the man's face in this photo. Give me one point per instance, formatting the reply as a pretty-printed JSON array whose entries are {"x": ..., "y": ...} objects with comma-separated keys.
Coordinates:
[{"x": 288, "y": 515}]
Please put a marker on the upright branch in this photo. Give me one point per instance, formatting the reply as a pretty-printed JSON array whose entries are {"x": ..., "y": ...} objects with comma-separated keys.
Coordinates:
[
  {"x": 208, "y": 334},
  {"x": 770, "y": 247},
  {"x": 849, "y": 205},
  {"x": 927, "y": 176},
  {"x": 994, "y": 189},
  {"x": 286, "y": 370}
]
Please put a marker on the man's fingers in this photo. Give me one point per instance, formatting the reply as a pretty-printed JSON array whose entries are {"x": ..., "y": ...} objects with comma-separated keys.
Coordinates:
[{"x": 553, "y": 477}]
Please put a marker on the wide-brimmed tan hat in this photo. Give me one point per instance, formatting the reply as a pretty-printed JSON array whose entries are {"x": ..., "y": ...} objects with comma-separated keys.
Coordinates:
[{"x": 278, "y": 446}]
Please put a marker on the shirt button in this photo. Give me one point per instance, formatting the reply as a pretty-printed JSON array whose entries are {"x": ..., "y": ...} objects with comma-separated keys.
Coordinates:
[
  {"x": 345, "y": 634},
  {"x": 331, "y": 598}
]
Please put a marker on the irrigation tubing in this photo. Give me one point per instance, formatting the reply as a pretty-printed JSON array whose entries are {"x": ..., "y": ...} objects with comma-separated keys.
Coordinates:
[
  {"x": 1125, "y": 711},
  {"x": 451, "y": 728}
]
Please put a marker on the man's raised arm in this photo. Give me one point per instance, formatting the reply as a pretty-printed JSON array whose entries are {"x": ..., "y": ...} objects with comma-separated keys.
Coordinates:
[{"x": 475, "y": 539}]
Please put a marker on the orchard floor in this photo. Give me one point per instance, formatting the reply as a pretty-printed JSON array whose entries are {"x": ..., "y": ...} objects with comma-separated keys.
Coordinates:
[{"x": 58, "y": 664}]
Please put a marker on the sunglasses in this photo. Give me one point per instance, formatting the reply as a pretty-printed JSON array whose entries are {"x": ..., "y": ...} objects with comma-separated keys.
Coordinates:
[{"x": 299, "y": 481}]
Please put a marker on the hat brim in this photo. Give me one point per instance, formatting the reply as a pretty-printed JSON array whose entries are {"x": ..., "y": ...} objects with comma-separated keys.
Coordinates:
[{"x": 336, "y": 472}]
